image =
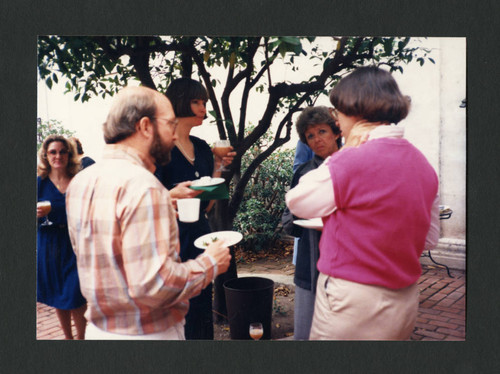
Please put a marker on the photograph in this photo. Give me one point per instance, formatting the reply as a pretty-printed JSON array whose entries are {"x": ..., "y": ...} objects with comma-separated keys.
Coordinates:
[
  {"x": 173, "y": 200},
  {"x": 249, "y": 186}
]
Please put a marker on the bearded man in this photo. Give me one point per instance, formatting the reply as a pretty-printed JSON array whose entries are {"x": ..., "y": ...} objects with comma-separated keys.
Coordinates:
[{"x": 123, "y": 229}]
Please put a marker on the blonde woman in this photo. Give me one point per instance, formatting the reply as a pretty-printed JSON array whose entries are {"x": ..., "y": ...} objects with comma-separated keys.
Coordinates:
[{"x": 57, "y": 279}]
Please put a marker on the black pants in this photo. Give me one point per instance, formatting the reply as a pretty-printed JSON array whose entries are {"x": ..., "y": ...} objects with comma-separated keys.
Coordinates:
[{"x": 199, "y": 319}]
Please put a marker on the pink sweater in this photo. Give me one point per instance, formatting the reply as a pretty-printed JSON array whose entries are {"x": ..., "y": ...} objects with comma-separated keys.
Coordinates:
[{"x": 383, "y": 191}]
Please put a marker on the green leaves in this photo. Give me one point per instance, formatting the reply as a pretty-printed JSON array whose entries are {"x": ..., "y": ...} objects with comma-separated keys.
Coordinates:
[
  {"x": 388, "y": 45},
  {"x": 89, "y": 70},
  {"x": 100, "y": 66},
  {"x": 288, "y": 44},
  {"x": 91, "y": 66},
  {"x": 264, "y": 198},
  {"x": 293, "y": 40},
  {"x": 46, "y": 128}
]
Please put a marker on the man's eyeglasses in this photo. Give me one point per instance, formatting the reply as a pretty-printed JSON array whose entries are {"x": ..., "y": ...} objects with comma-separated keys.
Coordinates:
[{"x": 173, "y": 123}]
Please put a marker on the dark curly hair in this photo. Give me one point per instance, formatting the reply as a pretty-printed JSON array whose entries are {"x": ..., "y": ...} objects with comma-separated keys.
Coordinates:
[{"x": 316, "y": 115}]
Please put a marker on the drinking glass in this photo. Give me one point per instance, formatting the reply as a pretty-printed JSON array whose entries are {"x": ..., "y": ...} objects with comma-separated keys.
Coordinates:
[
  {"x": 221, "y": 149},
  {"x": 256, "y": 330},
  {"x": 45, "y": 206}
]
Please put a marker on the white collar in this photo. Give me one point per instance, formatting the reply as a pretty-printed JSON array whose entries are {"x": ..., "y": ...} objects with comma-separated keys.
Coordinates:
[{"x": 387, "y": 131}]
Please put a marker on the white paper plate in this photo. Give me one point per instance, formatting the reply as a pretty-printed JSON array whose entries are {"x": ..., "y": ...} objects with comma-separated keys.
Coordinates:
[
  {"x": 207, "y": 182},
  {"x": 230, "y": 238},
  {"x": 314, "y": 223}
]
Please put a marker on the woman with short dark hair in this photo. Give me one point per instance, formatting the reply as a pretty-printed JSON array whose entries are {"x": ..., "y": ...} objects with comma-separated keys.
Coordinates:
[
  {"x": 372, "y": 94},
  {"x": 316, "y": 115},
  {"x": 192, "y": 159},
  {"x": 181, "y": 93},
  {"x": 378, "y": 201}
]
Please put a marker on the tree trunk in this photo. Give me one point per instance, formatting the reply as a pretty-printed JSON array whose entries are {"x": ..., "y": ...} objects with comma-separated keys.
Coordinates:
[
  {"x": 221, "y": 221},
  {"x": 219, "y": 306},
  {"x": 186, "y": 65}
]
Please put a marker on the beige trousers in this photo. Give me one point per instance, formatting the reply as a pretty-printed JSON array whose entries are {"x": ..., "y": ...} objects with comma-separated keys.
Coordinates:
[
  {"x": 345, "y": 310},
  {"x": 175, "y": 332}
]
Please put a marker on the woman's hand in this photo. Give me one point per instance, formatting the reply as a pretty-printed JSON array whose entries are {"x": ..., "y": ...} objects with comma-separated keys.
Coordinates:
[
  {"x": 359, "y": 134},
  {"x": 226, "y": 160},
  {"x": 182, "y": 191},
  {"x": 39, "y": 213}
]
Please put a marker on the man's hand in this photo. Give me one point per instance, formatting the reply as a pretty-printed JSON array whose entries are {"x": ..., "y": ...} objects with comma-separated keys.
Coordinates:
[{"x": 221, "y": 255}]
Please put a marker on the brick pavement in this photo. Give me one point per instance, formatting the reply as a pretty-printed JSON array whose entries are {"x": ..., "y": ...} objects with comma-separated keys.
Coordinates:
[
  {"x": 47, "y": 324},
  {"x": 441, "y": 314}
]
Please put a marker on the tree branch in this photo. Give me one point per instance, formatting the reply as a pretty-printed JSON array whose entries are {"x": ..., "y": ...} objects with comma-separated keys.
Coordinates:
[
  {"x": 140, "y": 60},
  {"x": 265, "y": 68},
  {"x": 243, "y": 111},
  {"x": 231, "y": 83},
  {"x": 211, "y": 93},
  {"x": 186, "y": 65},
  {"x": 113, "y": 53},
  {"x": 246, "y": 74},
  {"x": 228, "y": 88},
  {"x": 139, "y": 56},
  {"x": 266, "y": 51}
]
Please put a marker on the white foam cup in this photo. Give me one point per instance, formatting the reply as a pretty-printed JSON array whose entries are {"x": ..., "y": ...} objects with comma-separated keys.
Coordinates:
[{"x": 189, "y": 210}]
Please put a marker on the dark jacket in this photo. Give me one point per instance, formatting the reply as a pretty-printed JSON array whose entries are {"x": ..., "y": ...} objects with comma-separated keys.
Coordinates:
[
  {"x": 86, "y": 161},
  {"x": 306, "y": 273}
]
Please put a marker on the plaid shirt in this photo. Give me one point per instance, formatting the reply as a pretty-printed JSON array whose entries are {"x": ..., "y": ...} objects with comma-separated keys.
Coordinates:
[{"x": 124, "y": 233}]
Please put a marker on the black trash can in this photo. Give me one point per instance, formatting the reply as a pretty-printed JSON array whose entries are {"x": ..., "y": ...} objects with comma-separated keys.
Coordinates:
[{"x": 249, "y": 299}]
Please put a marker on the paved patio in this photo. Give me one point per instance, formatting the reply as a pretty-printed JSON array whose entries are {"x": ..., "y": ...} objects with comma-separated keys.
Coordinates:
[{"x": 441, "y": 314}]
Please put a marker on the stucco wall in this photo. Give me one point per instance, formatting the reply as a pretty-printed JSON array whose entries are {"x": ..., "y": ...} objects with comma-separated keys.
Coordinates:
[
  {"x": 453, "y": 135},
  {"x": 437, "y": 126}
]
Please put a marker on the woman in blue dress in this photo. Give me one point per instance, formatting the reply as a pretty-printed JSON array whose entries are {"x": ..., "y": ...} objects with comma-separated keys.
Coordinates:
[
  {"x": 57, "y": 279},
  {"x": 192, "y": 159}
]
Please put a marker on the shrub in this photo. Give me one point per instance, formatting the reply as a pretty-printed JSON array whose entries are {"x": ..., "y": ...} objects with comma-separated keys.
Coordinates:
[
  {"x": 46, "y": 128},
  {"x": 263, "y": 203}
]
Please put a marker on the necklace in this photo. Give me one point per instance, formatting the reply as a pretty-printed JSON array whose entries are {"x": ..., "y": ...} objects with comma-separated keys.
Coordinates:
[
  {"x": 58, "y": 184},
  {"x": 190, "y": 159}
]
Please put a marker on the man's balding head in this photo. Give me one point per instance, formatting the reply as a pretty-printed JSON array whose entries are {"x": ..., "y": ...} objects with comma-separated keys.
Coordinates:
[{"x": 130, "y": 105}]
